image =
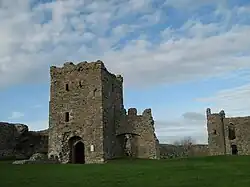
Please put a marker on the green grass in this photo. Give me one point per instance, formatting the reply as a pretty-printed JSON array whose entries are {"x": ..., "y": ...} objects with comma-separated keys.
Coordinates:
[{"x": 221, "y": 171}]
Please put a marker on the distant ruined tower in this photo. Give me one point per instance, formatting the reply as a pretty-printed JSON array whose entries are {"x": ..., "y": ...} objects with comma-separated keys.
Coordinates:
[
  {"x": 216, "y": 132},
  {"x": 85, "y": 105}
]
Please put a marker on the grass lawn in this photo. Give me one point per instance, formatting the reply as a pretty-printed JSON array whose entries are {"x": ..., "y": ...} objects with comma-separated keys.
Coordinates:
[{"x": 221, "y": 171}]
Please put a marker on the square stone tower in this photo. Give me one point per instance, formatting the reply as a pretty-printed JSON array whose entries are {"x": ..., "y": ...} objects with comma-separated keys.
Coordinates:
[
  {"x": 85, "y": 105},
  {"x": 216, "y": 132},
  {"x": 228, "y": 135}
]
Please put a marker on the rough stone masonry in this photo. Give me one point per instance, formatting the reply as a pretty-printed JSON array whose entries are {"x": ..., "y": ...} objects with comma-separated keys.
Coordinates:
[
  {"x": 87, "y": 119},
  {"x": 17, "y": 142},
  {"x": 228, "y": 135}
]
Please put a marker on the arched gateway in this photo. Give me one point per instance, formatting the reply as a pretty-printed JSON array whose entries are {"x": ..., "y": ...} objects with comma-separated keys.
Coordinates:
[
  {"x": 77, "y": 150},
  {"x": 78, "y": 153}
]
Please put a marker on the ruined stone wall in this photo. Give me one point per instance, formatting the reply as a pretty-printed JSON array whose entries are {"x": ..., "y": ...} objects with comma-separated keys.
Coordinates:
[
  {"x": 178, "y": 151},
  {"x": 157, "y": 144},
  {"x": 35, "y": 142},
  {"x": 17, "y": 142},
  {"x": 112, "y": 92},
  {"x": 219, "y": 139},
  {"x": 141, "y": 127},
  {"x": 241, "y": 125},
  {"x": 7, "y": 140},
  {"x": 76, "y": 90},
  {"x": 216, "y": 133},
  {"x": 199, "y": 150}
]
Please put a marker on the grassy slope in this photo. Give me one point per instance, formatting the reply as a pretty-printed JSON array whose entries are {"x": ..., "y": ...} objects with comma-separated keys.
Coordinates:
[{"x": 223, "y": 171}]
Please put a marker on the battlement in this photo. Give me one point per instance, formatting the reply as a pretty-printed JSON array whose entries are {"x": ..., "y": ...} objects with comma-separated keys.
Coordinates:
[
  {"x": 119, "y": 78},
  {"x": 80, "y": 67},
  {"x": 221, "y": 114},
  {"x": 132, "y": 112},
  {"x": 83, "y": 67},
  {"x": 136, "y": 123},
  {"x": 146, "y": 113}
]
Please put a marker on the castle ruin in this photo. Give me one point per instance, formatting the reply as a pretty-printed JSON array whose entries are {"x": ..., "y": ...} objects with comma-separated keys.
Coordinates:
[
  {"x": 87, "y": 119},
  {"x": 228, "y": 136},
  {"x": 88, "y": 123},
  {"x": 17, "y": 142}
]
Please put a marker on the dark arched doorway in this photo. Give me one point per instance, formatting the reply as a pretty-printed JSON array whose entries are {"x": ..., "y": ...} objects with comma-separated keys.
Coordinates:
[
  {"x": 76, "y": 150},
  {"x": 234, "y": 149},
  {"x": 78, "y": 156}
]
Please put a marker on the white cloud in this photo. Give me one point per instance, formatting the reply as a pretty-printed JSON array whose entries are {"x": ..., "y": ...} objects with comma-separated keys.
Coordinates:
[
  {"x": 194, "y": 116},
  {"x": 196, "y": 50},
  {"x": 190, "y": 124},
  {"x": 234, "y": 101},
  {"x": 37, "y": 125},
  {"x": 190, "y": 4},
  {"x": 244, "y": 9},
  {"x": 16, "y": 115}
]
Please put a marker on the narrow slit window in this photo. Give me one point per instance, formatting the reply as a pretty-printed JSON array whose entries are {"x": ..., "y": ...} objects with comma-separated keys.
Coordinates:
[
  {"x": 67, "y": 117},
  {"x": 67, "y": 87},
  {"x": 94, "y": 92},
  {"x": 231, "y": 133},
  {"x": 80, "y": 84}
]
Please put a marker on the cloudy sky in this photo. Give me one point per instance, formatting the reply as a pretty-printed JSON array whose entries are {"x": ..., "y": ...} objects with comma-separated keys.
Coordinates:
[{"x": 177, "y": 57}]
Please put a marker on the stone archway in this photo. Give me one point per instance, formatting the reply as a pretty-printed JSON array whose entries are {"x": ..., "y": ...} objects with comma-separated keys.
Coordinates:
[
  {"x": 78, "y": 154},
  {"x": 128, "y": 144},
  {"x": 77, "y": 150}
]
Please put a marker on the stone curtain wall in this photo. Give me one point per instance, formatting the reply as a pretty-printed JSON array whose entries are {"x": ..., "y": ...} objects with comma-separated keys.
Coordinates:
[
  {"x": 36, "y": 142},
  {"x": 180, "y": 151},
  {"x": 241, "y": 125},
  {"x": 76, "y": 89},
  {"x": 219, "y": 141},
  {"x": 17, "y": 142},
  {"x": 7, "y": 140},
  {"x": 199, "y": 150},
  {"x": 157, "y": 144},
  {"x": 141, "y": 127}
]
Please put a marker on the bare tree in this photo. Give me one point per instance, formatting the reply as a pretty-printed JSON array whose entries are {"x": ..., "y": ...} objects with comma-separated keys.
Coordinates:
[
  {"x": 186, "y": 144},
  {"x": 186, "y": 141}
]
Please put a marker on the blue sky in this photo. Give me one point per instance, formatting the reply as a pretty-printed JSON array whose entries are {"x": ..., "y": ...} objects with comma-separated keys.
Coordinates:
[{"x": 177, "y": 57}]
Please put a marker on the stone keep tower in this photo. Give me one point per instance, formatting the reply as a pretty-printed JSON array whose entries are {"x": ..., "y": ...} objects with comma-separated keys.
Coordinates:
[
  {"x": 85, "y": 106},
  {"x": 216, "y": 132}
]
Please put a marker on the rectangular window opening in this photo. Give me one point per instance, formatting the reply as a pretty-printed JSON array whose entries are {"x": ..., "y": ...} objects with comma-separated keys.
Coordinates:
[
  {"x": 67, "y": 117},
  {"x": 67, "y": 87}
]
